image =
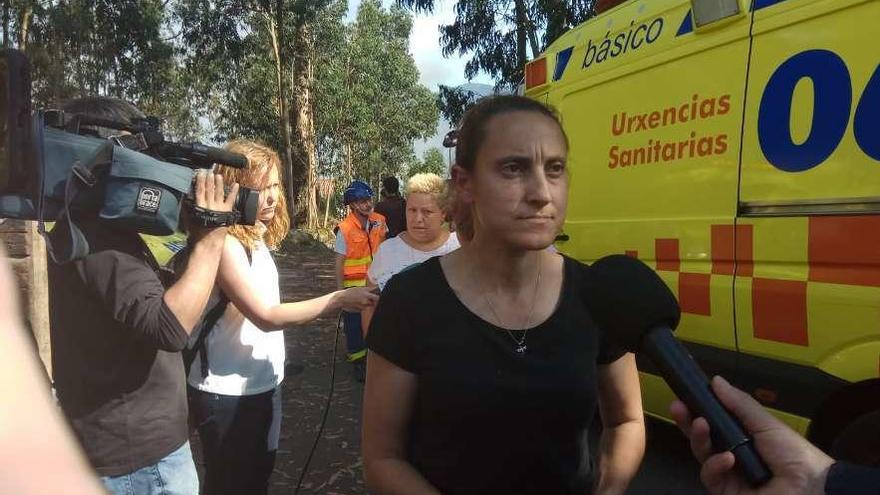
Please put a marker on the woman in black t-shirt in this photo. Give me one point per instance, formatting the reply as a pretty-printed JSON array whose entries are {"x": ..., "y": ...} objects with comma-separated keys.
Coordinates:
[{"x": 485, "y": 367}]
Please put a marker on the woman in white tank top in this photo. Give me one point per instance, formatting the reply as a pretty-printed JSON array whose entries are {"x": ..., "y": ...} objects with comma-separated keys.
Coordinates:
[{"x": 235, "y": 398}]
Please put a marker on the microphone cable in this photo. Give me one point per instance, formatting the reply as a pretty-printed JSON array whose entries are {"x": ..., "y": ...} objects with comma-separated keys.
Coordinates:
[{"x": 320, "y": 432}]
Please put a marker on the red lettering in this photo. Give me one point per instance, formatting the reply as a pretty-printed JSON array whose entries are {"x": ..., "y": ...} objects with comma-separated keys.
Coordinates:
[
  {"x": 640, "y": 120},
  {"x": 720, "y": 144},
  {"x": 723, "y": 104},
  {"x": 617, "y": 127}
]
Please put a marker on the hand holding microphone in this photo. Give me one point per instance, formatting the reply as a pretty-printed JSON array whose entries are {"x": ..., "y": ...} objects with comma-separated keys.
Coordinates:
[
  {"x": 638, "y": 311},
  {"x": 798, "y": 467}
]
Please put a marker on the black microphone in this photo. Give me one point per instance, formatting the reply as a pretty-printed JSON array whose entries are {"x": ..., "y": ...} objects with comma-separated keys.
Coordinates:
[{"x": 636, "y": 310}]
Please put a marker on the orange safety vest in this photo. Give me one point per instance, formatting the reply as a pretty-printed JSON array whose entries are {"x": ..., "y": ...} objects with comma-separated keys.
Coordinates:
[{"x": 360, "y": 245}]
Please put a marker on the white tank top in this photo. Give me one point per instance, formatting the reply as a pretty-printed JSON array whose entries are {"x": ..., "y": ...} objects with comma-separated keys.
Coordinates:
[{"x": 242, "y": 359}]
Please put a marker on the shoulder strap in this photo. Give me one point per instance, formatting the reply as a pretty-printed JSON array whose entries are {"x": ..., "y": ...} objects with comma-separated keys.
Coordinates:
[
  {"x": 207, "y": 326},
  {"x": 82, "y": 177}
]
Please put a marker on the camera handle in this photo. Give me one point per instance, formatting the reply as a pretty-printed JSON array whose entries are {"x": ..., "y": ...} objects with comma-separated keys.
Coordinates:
[{"x": 211, "y": 219}]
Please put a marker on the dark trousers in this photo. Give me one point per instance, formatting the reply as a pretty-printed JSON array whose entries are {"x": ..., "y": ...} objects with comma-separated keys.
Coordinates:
[
  {"x": 354, "y": 337},
  {"x": 239, "y": 437}
]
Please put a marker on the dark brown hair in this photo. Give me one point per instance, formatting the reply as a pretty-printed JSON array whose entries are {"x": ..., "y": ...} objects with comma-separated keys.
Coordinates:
[
  {"x": 472, "y": 130},
  {"x": 104, "y": 107}
]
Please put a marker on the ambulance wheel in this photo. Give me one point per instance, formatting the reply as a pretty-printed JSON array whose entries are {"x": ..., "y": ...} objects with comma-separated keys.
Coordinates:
[{"x": 859, "y": 441}]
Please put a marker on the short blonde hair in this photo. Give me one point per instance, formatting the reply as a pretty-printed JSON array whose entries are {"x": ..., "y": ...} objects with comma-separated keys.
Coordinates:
[
  {"x": 426, "y": 184},
  {"x": 260, "y": 159}
]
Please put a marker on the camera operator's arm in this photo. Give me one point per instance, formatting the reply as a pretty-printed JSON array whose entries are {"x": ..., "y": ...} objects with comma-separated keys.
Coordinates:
[
  {"x": 235, "y": 283},
  {"x": 189, "y": 295},
  {"x": 128, "y": 287}
]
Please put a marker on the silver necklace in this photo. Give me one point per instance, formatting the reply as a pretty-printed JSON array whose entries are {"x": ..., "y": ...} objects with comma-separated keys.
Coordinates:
[{"x": 520, "y": 342}]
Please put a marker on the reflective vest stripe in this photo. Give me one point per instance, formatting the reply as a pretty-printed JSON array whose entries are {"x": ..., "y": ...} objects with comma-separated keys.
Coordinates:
[
  {"x": 366, "y": 260},
  {"x": 360, "y": 246}
]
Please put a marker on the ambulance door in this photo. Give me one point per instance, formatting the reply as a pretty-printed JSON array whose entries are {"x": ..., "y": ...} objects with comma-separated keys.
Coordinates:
[
  {"x": 808, "y": 280},
  {"x": 655, "y": 136}
]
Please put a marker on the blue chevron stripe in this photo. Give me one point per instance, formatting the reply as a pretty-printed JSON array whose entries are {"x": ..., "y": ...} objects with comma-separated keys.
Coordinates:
[
  {"x": 562, "y": 59},
  {"x": 760, "y": 4},
  {"x": 687, "y": 25}
]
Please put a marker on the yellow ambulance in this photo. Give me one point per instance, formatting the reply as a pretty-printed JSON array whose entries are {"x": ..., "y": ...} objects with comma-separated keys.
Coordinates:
[{"x": 734, "y": 146}]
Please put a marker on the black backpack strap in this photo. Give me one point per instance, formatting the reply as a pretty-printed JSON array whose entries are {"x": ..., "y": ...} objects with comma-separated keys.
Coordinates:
[{"x": 207, "y": 326}]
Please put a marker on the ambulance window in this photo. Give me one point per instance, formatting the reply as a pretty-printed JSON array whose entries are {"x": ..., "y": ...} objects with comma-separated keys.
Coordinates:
[{"x": 709, "y": 11}]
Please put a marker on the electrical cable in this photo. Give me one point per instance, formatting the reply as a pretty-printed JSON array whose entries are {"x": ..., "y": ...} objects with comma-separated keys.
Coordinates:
[{"x": 320, "y": 432}]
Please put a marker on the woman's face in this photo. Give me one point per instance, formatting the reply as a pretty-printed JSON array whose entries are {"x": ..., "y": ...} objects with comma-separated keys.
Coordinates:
[
  {"x": 518, "y": 188},
  {"x": 269, "y": 194},
  {"x": 424, "y": 218}
]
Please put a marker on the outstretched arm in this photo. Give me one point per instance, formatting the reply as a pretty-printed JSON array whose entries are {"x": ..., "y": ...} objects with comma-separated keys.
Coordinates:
[{"x": 236, "y": 283}]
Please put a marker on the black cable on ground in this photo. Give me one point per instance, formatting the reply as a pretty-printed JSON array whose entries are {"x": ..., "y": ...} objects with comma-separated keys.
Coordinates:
[{"x": 320, "y": 432}]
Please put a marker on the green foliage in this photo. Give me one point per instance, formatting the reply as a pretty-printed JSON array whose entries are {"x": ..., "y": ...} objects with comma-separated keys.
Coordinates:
[
  {"x": 433, "y": 162},
  {"x": 258, "y": 69},
  {"x": 454, "y": 101},
  {"x": 116, "y": 48},
  {"x": 499, "y": 34},
  {"x": 371, "y": 104}
]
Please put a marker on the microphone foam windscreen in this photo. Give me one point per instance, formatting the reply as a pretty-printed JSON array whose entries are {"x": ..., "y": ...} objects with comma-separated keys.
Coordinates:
[{"x": 626, "y": 299}]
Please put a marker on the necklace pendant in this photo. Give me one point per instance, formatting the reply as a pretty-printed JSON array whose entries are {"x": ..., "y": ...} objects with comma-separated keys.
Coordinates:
[{"x": 521, "y": 349}]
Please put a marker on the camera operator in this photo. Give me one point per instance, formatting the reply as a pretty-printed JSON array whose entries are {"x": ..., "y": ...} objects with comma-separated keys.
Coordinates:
[{"x": 116, "y": 333}]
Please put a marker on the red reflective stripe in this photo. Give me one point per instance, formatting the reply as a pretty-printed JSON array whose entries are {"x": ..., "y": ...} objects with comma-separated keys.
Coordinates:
[
  {"x": 729, "y": 245},
  {"x": 666, "y": 253},
  {"x": 779, "y": 310},
  {"x": 693, "y": 293},
  {"x": 845, "y": 250}
]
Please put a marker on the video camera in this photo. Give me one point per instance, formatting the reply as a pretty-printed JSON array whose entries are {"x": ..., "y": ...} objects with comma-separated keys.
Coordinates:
[{"x": 54, "y": 163}]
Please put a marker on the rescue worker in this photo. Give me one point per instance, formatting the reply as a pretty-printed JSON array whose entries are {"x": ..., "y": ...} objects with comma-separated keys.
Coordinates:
[{"x": 357, "y": 238}]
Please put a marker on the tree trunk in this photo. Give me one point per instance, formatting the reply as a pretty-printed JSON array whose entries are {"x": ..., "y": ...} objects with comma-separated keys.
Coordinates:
[
  {"x": 305, "y": 157},
  {"x": 348, "y": 161},
  {"x": 283, "y": 113},
  {"x": 6, "y": 24},
  {"x": 24, "y": 27},
  {"x": 521, "y": 28},
  {"x": 327, "y": 207}
]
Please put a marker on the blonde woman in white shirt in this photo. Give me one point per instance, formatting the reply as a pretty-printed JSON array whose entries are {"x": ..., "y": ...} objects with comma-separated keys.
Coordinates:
[
  {"x": 426, "y": 234},
  {"x": 235, "y": 397}
]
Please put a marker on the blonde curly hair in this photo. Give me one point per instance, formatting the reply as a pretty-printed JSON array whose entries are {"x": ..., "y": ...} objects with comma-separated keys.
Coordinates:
[
  {"x": 260, "y": 159},
  {"x": 426, "y": 184}
]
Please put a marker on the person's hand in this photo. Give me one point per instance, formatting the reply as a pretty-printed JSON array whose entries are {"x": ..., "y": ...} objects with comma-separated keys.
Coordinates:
[
  {"x": 797, "y": 466},
  {"x": 356, "y": 299},
  {"x": 210, "y": 195},
  {"x": 209, "y": 192}
]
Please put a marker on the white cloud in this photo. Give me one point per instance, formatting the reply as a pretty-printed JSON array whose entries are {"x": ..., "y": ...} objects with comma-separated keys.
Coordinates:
[{"x": 424, "y": 45}]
